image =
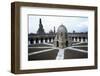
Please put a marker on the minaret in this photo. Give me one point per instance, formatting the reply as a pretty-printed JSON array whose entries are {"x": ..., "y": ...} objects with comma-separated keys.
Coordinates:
[
  {"x": 54, "y": 29},
  {"x": 40, "y": 29}
]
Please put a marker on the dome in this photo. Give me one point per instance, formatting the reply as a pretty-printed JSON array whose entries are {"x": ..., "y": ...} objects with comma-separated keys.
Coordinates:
[{"x": 62, "y": 29}]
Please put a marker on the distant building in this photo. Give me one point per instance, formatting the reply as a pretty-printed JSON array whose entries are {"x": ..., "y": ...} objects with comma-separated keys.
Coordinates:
[
  {"x": 51, "y": 32},
  {"x": 62, "y": 38}
]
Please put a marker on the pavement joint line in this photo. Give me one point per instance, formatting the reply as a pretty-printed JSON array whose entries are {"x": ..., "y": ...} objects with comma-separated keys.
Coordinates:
[
  {"x": 84, "y": 51},
  {"x": 40, "y": 47},
  {"x": 80, "y": 46},
  {"x": 45, "y": 47},
  {"x": 79, "y": 43},
  {"x": 33, "y": 53},
  {"x": 48, "y": 44}
]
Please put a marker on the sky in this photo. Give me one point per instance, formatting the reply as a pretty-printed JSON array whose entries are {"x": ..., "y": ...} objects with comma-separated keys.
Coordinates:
[{"x": 77, "y": 23}]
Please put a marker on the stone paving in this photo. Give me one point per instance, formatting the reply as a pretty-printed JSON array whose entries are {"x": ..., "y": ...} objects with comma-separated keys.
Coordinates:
[{"x": 59, "y": 53}]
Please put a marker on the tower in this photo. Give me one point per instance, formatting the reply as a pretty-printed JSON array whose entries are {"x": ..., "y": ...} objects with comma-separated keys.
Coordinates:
[
  {"x": 40, "y": 29},
  {"x": 54, "y": 29}
]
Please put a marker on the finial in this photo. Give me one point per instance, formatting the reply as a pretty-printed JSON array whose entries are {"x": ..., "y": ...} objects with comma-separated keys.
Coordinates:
[{"x": 40, "y": 21}]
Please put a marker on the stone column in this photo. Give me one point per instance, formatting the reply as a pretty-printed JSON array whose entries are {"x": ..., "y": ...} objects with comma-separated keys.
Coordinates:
[
  {"x": 39, "y": 41},
  {"x": 51, "y": 40},
  {"x": 74, "y": 39},
  {"x": 34, "y": 41},
  {"x": 47, "y": 40},
  {"x": 28, "y": 42},
  {"x": 43, "y": 40},
  {"x": 81, "y": 39},
  {"x": 77, "y": 39},
  {"x": 86, "y": 40}
]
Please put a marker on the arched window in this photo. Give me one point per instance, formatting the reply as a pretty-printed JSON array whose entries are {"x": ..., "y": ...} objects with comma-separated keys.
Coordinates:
[
  {"x": 72, "y": 38},
  {"x": 49, "y": 39},
  {"x": 37, "y": 40},
  {"x": 79, "y": 38},
  {"x": 41, "y": 40},
  {"x": 45, "y": 39},
  {"x": 75, "y": 38},
  {"x": 31, "y": 41},
  {"x": 83, "y": 38}
]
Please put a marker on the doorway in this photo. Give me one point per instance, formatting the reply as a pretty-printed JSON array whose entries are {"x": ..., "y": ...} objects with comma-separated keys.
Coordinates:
[
  {"x": 66, "y": 43},
  {"x": 57, "y": 44}
]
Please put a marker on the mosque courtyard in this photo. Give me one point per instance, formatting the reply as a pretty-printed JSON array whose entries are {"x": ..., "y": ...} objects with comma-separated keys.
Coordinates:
[{"x": 47, "y": 51}]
